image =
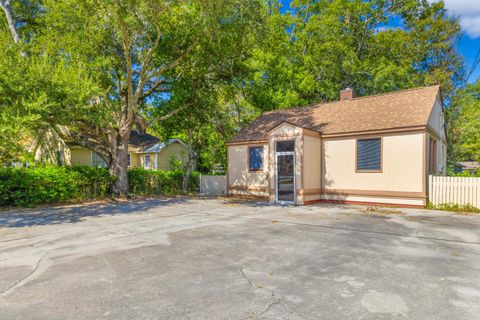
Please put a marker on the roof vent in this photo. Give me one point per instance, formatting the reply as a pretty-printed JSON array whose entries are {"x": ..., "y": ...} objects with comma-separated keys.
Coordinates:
[{"x": 347, "y": 94}]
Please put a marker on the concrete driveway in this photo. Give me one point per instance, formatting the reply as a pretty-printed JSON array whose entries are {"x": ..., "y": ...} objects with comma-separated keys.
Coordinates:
[{"x": 215, "y": 259}]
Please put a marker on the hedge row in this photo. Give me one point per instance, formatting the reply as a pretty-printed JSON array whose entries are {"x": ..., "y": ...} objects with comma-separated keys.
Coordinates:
[
  {"x": 157, "y": 182},
  {"x": 27, "y": 187}
]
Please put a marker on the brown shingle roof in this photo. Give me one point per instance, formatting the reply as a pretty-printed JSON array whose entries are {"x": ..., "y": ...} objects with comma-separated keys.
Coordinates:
[
  {"x": 406, "y": 108},
  {"x": 142, "y": 141}
]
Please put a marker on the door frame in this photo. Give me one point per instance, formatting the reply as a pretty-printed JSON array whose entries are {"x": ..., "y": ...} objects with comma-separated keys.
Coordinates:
[{"x": 285, "y": 153}]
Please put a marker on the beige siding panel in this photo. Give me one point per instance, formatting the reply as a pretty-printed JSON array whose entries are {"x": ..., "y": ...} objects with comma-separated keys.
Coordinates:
[
  {"x": 81, "y": 156},
  {"x": 248, "y": 193},
  {"x": 312, "y": 197},
  {"x": 286, "y": 130},
  {"x": 386, "y": 200},
  {"x": 312, "y": 163},
  {"x": 402, "y": 165},
  {"x": 176, "y": 150},
  {"x": 238, "y": 174}
]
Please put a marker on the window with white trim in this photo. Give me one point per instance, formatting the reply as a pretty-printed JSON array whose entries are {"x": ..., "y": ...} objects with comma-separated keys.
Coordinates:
[{"x": 147, "y": 162}]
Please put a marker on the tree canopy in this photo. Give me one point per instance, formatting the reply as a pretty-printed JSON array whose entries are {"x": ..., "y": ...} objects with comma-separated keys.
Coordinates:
[{"x": 91, "y": 71}]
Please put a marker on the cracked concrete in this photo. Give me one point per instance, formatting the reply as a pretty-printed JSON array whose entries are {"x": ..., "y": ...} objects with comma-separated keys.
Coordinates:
[{"x": 209, "y": 259}]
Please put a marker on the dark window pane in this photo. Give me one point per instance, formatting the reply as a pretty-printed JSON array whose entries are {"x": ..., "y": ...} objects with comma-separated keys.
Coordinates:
[
  {"x": 255, "y": 158},
  {"x": 283, "y": 146},
  {"x": 285, "y": 178},
  {"x": 369, "y": 154}
]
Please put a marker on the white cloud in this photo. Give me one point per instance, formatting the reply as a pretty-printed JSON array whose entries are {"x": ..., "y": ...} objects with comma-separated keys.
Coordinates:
[{"x": 469, "y": 13}]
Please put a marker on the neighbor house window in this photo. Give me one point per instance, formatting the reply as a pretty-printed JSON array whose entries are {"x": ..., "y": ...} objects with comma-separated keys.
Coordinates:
[
  {"x": 147, "y": 161},
  {"x": 432, "y": 161},
  {"x": 255, "y": 158},
  {"x": 129, "y": 160},
  {"x": 98, "y": 161},
  {"x": 369, "y": 155}
]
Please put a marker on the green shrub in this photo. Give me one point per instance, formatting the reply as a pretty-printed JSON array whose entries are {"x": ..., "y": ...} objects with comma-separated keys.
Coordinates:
[
  {"x": 28, "y": 187},
  {"x": 96, "y": 182},
  {"x": 158, "y": 182},
  {"x": 47, "y": 184}
]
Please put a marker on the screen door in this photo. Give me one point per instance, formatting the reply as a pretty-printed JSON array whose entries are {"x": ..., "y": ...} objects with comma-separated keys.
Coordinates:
[{"x": 286, "y": 177}]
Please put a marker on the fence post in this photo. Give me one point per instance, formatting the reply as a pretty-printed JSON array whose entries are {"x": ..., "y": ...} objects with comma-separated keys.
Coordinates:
[{"x": 430, "y": 188}]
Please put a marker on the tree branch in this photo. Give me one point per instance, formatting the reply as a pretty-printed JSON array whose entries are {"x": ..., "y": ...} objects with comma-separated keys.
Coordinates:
[
  {"x": 7, "y": 9},
  {"x": 153, "y": 88},
  {"x": 168, "y": 115},
  {"x": 172, "y": 64},
  {"x": 146, "y": 64}
]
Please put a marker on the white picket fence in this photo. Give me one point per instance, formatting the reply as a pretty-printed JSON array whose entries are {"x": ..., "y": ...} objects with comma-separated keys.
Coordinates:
[
  {"x": 454, "y": 190},
  {"x": 213, "y": 184}
]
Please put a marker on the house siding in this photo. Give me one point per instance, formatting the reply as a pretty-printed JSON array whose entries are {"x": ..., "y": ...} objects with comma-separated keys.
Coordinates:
[
  {"x": 326, "y": 169},
  {"x": 287, "y": 131},
  {"x": 176, "y": 150},
  {"x": 312, "y": 164},
  {"x": 240, "y": 180},
  {"x": 437, "y": 132},
  {"x": 80, "y": 156},
  {"x": 402, "y": 165}
]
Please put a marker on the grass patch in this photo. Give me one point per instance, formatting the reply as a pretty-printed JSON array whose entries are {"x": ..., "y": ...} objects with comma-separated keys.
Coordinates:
[{"x": 457, "y": 208}]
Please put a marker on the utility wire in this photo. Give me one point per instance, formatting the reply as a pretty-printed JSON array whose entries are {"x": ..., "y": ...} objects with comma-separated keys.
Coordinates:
[{"x": 476, "y": 61}]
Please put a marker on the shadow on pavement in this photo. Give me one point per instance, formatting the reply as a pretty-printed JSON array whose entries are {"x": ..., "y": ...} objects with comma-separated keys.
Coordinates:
[{"x": 47, "y": 216}]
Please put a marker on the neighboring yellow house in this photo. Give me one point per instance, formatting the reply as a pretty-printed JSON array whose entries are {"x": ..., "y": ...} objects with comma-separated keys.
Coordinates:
[
  {"x": 144, "y": 150},
  {"x": 378, "y": 149}
]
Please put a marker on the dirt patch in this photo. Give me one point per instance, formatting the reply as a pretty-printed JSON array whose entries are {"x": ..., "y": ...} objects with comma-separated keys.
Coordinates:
[{"x": 380, "y": 211}]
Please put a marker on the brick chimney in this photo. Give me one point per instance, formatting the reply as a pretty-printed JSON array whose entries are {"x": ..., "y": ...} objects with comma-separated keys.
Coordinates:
[{"x": 347, "y": 94}]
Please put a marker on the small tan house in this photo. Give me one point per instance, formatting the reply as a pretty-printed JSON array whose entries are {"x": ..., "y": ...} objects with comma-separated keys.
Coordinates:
[
  {"x": 144, "y": 150},
  {"x": 378, "y": 150}
]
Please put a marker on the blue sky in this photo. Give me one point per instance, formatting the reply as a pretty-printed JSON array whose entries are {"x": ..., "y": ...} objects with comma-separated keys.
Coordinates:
[{"x": 468, "y": 12}]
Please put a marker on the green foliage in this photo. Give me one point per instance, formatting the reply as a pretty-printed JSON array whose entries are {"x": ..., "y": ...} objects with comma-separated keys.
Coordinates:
[
  {"x": 158, "y": 182},
  {"x": 28, "y": 187},
  {"x": 464, "y": 125},
  {"x": 39, "y": 185},
  {"x": 309, "y": 55},
  {"x": 464, "y": 173},
  {"x": 461, "y": 209},
  {"x": 220, "y": 62},
  {"x": 175, "y": 164}
]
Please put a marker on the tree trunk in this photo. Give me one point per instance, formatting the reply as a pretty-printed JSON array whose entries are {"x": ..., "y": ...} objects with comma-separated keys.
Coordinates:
[
  {"x": 12, "y": 24},
  {"x": 10, "y": 20},
  {"x": 118, "y": 166},
  {"x": 192, "y": 162}
]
